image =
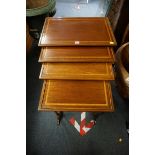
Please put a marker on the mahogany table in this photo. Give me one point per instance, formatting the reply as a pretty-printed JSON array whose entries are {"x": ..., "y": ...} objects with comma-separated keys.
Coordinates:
[{"x": 77, "y": 57}]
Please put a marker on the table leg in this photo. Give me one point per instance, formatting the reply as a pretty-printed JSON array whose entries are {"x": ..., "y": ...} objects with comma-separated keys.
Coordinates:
[
  {"x": 59, "y": 116},
  {"x": 96, "y": 115}
]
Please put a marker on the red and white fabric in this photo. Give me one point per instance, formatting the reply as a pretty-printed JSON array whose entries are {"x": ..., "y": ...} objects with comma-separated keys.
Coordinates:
[{"x": 84, "y": 127}]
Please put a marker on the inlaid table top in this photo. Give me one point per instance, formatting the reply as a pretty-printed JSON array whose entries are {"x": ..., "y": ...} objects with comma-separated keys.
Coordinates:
[
  {"x": 79, "y": 31},
  {"x": 79, "y": 54},
  {"x": 76, "y": 95},
  {"x": 77, "y": 71}
]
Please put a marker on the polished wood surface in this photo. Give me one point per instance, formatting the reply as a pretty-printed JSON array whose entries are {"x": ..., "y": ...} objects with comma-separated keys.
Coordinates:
[
  {"x": 76, "y": 95},
  {"x": 79, "y": 31},
  {"x": 77, "y": 57},
  {"x": 77, "y": 54},
  {"x": 77, "y": 71}
]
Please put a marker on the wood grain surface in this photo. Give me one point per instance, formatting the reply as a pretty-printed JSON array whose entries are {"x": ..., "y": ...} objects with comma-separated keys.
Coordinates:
[
  {"x": 77, "y": 71},
  {"x": 79, "y": 31},
  {"x": 76, "y": 95},
  {"x": 77, "y": 54}
]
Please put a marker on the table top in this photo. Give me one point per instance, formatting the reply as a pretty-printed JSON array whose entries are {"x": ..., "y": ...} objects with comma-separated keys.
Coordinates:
[
  {"x": 76, "y": 95},
  {"x": 80, "y": 54},
  {"x": 79, "y": 31},
  {"x": 77, "y": 71}
]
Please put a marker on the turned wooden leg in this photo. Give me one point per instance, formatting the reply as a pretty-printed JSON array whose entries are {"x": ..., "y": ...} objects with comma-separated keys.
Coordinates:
[{"x": 59, "y": 116}]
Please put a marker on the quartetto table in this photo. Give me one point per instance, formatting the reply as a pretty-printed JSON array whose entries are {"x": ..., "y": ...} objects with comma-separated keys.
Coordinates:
[{"x": 77, "y": 57}]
